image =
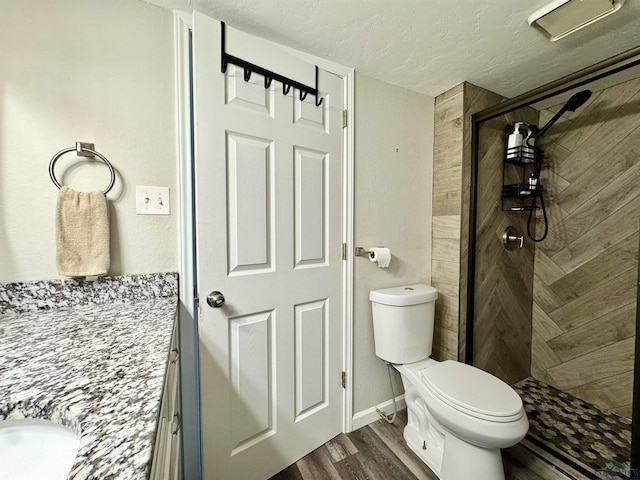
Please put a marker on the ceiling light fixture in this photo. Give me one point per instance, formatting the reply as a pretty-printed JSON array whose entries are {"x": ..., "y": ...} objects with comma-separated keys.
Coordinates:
[{"x": 560, "y": 18}]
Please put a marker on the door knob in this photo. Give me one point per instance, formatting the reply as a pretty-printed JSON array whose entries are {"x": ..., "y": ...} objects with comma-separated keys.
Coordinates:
[{"x": 215, "y": 299}]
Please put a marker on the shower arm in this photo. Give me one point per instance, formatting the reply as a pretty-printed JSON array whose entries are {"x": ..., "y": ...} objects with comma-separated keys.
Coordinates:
[{"x": 538, "y": 133}]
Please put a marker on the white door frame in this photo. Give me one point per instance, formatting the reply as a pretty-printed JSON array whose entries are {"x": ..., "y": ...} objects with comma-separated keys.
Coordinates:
[{"x": 182, "y": 27}]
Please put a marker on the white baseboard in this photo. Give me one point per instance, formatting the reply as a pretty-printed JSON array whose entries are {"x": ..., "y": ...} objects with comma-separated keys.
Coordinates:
[{"x": 365, "y": 417}]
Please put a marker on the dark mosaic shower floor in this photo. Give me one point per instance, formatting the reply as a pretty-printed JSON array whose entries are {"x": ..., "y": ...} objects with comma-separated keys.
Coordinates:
[{"x": 597, "y": 441}]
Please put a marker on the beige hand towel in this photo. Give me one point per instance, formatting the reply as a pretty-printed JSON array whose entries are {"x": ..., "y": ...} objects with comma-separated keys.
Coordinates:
[{"x": 82, "y": 233}]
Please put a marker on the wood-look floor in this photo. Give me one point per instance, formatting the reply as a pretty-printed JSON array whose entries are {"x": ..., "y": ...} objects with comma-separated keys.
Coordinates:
[{"x": 376, "y": 452}]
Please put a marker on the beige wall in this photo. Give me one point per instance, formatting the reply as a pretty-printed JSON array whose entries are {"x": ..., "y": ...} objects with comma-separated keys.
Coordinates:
[
  {"x": 95, "y": 71},
  {"x": 393, "y": 178}
]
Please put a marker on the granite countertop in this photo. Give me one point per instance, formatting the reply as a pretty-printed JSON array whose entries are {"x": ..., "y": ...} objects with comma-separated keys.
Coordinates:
[{"x": 71, "y": 354}]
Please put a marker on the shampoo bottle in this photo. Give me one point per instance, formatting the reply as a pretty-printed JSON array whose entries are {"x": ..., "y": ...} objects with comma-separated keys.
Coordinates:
[{"x": 514, "y": 141}]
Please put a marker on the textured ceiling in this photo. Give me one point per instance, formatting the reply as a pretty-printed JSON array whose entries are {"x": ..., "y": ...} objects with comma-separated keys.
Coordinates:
[{"x": 429, "y": 45}]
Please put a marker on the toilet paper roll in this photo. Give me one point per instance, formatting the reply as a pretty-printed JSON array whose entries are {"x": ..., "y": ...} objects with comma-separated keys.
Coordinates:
[{"x": 381, "y": 255}]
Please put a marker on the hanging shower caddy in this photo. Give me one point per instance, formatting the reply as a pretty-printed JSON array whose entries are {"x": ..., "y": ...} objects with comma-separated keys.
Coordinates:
[
  {"x": 521, "y": 173},
  {"x": 521, "y": 151}
]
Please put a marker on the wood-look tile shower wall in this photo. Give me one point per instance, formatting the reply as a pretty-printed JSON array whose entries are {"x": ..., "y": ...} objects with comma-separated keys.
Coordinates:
[
  {"x": 445, "y": 253},
  {"x": 452, "y": 160},
  {"x": 503, "y": 278},
  {"x": 586, "y": 270},
  {"x": 576, "y": 314},
  {"x": 475, "y": 100}
]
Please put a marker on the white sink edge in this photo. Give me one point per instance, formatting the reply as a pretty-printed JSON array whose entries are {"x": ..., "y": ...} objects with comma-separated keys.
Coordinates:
[{"x": 37, "y": 448}]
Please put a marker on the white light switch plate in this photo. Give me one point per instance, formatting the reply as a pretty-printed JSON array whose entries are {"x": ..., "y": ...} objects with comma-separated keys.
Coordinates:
[{"x": 152, "y": 200}]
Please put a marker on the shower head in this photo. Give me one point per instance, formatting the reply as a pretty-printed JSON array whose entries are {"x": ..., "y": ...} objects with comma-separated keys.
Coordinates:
[{"x": 575, "y": 102}]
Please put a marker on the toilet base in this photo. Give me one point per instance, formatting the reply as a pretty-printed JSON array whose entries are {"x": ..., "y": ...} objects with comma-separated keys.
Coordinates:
[
  {"x": 432, "y": 455},
  {"x": 450, "y": 457},
  {"x": 477, "y": 463},
  {"x": 458, "y": 459}
]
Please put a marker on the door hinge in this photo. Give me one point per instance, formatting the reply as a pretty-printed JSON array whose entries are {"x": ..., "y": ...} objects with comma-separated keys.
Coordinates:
[
  {"x": 344, "y": 379},
  {"x": 344, "y": 251},
  {"x": 344, "y": 119},
  {"x": 196, "y": 297}
]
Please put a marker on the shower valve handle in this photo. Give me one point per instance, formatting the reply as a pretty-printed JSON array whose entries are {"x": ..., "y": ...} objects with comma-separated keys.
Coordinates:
[
  {"x": 513, "y": 238},
  {"x": 510, "y": 238}
]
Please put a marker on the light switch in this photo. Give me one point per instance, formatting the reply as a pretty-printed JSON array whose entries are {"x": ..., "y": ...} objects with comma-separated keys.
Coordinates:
[{"x": 152, "y": 200}]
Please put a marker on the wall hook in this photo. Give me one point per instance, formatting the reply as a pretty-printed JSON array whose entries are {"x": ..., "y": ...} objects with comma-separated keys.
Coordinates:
[
  {"x": 319, "y": 102},
  {"x": 285, "y": 88},
  {"x": 303, "y": 95},
  {"x": 247, "y": 74},
  {"x": 267, "y": 82}
]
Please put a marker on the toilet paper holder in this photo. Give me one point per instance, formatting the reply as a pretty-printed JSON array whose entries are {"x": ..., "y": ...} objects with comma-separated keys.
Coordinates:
[{"x": 362, "y": 252}]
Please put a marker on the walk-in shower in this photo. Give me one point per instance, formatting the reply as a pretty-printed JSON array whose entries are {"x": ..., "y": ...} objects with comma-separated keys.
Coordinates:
[{"x": 557, "y": 317}]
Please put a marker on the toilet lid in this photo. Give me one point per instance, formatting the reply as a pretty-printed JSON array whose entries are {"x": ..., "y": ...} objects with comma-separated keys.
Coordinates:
[{"x": 471, "y": 389}]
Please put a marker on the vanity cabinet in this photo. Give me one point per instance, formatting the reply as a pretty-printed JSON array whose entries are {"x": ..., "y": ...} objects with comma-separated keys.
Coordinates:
[{"x": 166, "y": 452}]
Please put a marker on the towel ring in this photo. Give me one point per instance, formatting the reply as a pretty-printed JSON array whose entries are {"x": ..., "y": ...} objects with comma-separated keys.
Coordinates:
[{"x": 81, "y": 148}]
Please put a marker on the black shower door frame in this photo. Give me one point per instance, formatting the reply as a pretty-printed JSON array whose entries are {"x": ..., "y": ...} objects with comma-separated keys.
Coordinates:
[{"x": 606, "y": 68}]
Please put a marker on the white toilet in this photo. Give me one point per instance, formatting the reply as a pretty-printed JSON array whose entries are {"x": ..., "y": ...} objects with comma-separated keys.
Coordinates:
[{"x": 459, "y": 417}]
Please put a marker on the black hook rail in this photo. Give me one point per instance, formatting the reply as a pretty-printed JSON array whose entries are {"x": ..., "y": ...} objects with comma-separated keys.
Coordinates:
[{"x": 268, "y": 75}]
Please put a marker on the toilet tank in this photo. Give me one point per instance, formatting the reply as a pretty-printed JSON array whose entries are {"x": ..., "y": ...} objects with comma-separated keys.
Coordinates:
[{"x": 403, "y": 320}]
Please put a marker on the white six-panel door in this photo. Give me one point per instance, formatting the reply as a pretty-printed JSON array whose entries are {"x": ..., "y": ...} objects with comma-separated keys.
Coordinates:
[{"x": 268, "y": 185}]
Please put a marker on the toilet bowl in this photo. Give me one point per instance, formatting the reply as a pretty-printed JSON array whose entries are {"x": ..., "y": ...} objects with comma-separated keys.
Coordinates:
[{"x": 459, "y": 417}]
